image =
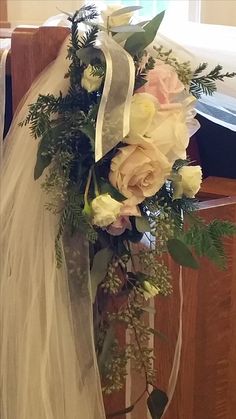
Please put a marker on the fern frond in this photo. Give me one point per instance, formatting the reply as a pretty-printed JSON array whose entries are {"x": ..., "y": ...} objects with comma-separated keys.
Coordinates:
[{"x": 207, "y": 239}]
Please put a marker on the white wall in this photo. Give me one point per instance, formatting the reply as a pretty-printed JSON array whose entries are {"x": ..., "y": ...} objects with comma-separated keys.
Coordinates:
[
  {"x": 35, "y": 12},
  {"x": 218, "y": 12}
]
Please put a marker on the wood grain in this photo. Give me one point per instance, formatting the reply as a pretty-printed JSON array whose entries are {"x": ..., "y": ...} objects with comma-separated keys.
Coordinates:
[
  {"x": 32, "y": 49},
  {"x": 3, "y": 14},
  {"x": 207, "y": 380},
  {"x": 217, "y": 187}
]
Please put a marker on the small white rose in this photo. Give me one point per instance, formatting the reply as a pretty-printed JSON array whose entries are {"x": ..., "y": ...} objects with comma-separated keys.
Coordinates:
[
  {"x": 112, "y": 21},
  {"x": 149, "y": 290},
  {"x": 189, "y": 185},
  {"x": 105, "y": 210},
  {"x": 90, "y": 82}
]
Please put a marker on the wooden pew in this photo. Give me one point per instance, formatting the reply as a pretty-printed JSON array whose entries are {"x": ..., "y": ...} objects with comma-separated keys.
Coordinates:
[{"x": 207, "y": 381}]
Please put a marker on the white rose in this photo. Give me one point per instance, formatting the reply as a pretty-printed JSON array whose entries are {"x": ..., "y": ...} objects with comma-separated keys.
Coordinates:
[
  {"x": 112, "y": 21},
  {"x": 139, "y": 171},
  {"x": 165, "y": 126},
  {"x": 90, "y": 82},
  {"x": 169, "y": 132},
  {"x": 149, "y": 290},
  {"x": 142, "y": 112},
  {"x": 105, "y": 210},
  {"x": 189, "y": 185}
]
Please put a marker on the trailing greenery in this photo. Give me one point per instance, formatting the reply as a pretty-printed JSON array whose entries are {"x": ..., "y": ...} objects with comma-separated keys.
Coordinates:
[
  {"x": 206, "y": 239},
  {"x": 206, "y": 84}
]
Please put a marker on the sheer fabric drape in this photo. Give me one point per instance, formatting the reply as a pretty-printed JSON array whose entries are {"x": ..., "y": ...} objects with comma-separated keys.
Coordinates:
[{"x": 47, "y": 360}]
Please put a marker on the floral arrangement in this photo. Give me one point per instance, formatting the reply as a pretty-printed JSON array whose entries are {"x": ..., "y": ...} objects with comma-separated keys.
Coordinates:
[{"x": 141, "y": 190}]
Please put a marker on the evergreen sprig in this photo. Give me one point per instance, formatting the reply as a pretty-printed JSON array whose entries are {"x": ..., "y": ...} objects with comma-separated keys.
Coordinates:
[
  {"x": 206, "y": 84},
  {"x": 207, "y": 239}
]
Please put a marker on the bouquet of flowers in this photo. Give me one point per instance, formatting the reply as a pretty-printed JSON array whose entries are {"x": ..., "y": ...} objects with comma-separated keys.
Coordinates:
[{"x": 112, "y": 152}]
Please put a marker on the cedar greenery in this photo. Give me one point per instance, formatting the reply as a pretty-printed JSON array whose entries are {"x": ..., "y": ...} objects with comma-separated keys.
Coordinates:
[{"x": 206, "y": 84}]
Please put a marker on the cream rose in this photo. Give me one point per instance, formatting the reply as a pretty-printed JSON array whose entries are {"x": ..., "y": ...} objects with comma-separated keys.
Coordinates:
[
  {"x": 169, "y": 132},
  {"x": 190, "y": 182},
  {"x": 90, "y": 82},
  {"x": 142, "y": 112},
  {"x": 105, "y": 210},
  {"x": 164, "y": 126},
  {"x": 139, "y": 171},
  {"x": 163, "y": 83},
  {"x": 149, "y": 290},
  {"x": 118, "y": 20}
]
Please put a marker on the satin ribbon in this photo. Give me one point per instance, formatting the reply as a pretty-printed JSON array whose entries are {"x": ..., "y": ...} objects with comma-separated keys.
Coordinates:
[
  {"x": 114, "y": 111},
  {"x": 3, "y": 58}
]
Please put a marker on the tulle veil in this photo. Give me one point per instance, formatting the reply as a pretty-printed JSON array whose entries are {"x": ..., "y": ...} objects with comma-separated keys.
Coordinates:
[{"x": 48, "y": 366}]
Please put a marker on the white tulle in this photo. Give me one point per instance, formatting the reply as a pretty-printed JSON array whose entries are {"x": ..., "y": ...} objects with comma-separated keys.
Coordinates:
[{"x": 48, "y": 366}]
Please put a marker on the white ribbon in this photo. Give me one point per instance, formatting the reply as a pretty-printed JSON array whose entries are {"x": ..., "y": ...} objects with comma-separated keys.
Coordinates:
[
  {"x": 114, "y": 110},
  {"x": 3, "y": 58}
]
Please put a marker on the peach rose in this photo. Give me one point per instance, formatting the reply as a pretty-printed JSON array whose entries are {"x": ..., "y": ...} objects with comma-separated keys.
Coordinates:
[
  {"x": 163, "y": 83},
  {"x": 139, "y": 171}
]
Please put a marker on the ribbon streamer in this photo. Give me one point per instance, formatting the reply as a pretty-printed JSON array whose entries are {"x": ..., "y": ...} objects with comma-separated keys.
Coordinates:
[{"x": 114, "y": 110}]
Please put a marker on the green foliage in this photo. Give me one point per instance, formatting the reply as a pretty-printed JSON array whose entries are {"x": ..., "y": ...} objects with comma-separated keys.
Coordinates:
[
  {"x": 207, "y": 239},
  {"x": 157, "y": 402},
  {"x": 183, "y": 69},
  {"x": 139, "y": 41},
  {"x": 99, "y": 268},
  {"x": 141, "y": 70},
  {"x": 206, "y": 84},
  {"x": 181, "y": 253}
]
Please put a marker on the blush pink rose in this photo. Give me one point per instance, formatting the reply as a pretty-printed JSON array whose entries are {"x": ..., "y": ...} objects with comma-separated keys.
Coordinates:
[
  {"x": 123, "y": 222},
  {"x": 163, "y": 83},
  {"x": 119, "y": 226}
]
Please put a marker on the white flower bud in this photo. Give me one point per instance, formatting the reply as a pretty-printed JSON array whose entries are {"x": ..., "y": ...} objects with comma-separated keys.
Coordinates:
[
  {"x": 90, "y": 82},
  {"x": 105, "y": 210}
]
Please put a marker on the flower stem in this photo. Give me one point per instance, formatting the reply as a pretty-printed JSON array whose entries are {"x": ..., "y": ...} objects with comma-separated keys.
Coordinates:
[
  {"x": 86, "y": 204},
  {"x": 95, "y": 183}
]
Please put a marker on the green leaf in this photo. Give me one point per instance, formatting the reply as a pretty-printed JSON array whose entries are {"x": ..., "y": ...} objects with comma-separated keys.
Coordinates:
[
  {"x": 89, "y": 54},
  {"x": 125, "y": 10},
  {"x": 89, "y": 131},
  {"x": 157, "y": 402},
  {"x": 99, "y": 269},
  {"x": 94, "y": 24},
  {"x": 126, "y": 29},
  {"x": 42, "y": 161},
  {"x": 181, "y": 253},
  {"x": 142, "y": 224},
  {"x": 106, "y": 348},
  {"x": 139, "y": 41},
  {"x": 106, "y": 187},
  {"x": 157, "y": 333},
  {"x": 121, "y": 37}
]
